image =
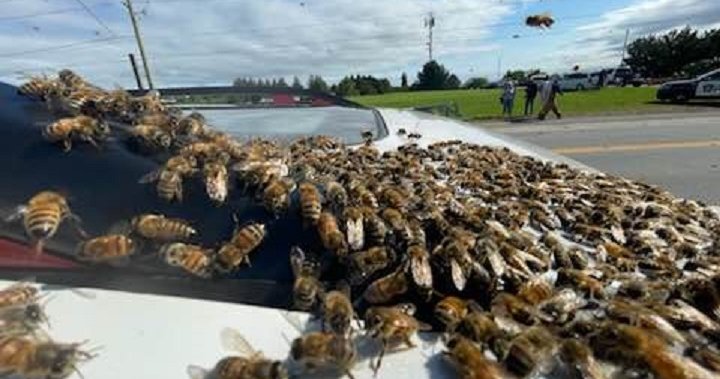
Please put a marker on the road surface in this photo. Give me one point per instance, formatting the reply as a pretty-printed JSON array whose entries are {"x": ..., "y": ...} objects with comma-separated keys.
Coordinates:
[{"x": 680, "y": 152}]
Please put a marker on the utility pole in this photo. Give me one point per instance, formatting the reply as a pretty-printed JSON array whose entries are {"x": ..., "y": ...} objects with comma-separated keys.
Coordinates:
[
  {"x": 622, "y": 59},
  {"x": 135, "y": 71},
  {"x": 430, "y": 24},
  {"x": 138, "y": 38}
]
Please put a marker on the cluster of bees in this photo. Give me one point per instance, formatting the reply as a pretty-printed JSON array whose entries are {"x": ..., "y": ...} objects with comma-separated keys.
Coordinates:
[
  {"x": 25, "y": 348},
  {"x": 528, "y": 268}
]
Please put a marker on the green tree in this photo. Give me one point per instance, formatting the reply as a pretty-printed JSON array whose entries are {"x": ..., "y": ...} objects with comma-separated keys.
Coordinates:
[
  {"x": 672, "y": 53},
  {"x": 476, "y": 82},
  {"x": 403, "y": 80},
  {"x": 296, "y": 84},
  {"x": 516, "y": 75},
  {"x": 346, "y": 87},
  {"x": 434, "y": 76},
  {"x": 316, "y": 83},
  {"x": 281, "y": 83}
]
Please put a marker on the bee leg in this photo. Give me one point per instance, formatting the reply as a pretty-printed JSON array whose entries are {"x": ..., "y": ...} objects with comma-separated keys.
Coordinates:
[
  {"x": 76, "y": 222},
  {"x": 376, "y": 366},
  {"x": 38, "y": 247},
  {"x": 349, "y": 374},
  {"x": 408, "y": 342},
  {"x": 67, "y": 145},
  {"x": 247, "y": 260}
]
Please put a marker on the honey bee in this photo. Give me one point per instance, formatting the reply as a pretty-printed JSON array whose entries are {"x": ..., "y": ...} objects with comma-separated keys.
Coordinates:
[
  {"x": 363, "y": 196},
  {"x": 338, "y": 311},
  {"x": 336, "y": 195},
  {"x": 418, "y": 264},
  {"x": 563, "y": 305},
  {"x": 451, "y": 310},
  {"x": 374, "y": 227},
  {"x": 469, "y": 360},
  {"x": 276, "y": 196},
  {"x": 317, "y": 350},
  {"x": 191, "y": 258},
  {"x": 21, "y": 293},
  {"x": 71, "y": 80},
  {"x": 397, "y": 223},
  {"x": 508, "y": 304},
  {"x": 150, "y": 103},
  {"x": 157, "y": 227},
  {"x": 192, "y": 125},
  {"x": 42, "y": 215},
  {"x": 581, "y": 281},
  {"x": 249, "y": 364},
  {"x": 112, "y": 248},
  {"x": 164, "y": 121},
  {"x": 530, "y": 349},
  {"x": 22, "y": 320},
  {"x": 151, "y": 137},
  {"x": 394, "y": 198},
  {"x": 332, "y": 238},
  {"x": 216, "y": 181},
  {"x": 170, "y": 177},
  {"x": 387, "y": 288},
  {"x": 579, "y": 360},
  {"x": 310, "y": 203},
  {"x": 81, "y": 128},
  {"x": 392, "y": 326},
  {"x": 237, "y": 250},
  {"x": 37, "y": 87},
  {"x": 479, "y": 327},
  {"x": 36, "y": 359},
  {"x": 536, "y": 290},
  {"x": 365, "y": 264},
  {"x": 354, "y": 227},
  {"x": 307, "y": 289}
]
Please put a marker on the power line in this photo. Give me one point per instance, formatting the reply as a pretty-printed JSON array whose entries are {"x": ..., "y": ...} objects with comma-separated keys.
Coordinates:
[
  {"x": 95, "y": 16},
  {"x": 58, "y": 47}
]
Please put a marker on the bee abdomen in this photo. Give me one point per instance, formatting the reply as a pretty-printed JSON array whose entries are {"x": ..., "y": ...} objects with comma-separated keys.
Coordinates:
[{"x": 42, "y": 222}]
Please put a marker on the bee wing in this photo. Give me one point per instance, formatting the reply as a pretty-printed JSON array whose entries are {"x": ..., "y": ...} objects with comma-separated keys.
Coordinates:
[
  {"x": 15, "y": 215},
  {"x": 150, "y": 177},
  {"x": 355, "y": 233},
  {"x": 297, "y": 259},
  {"x": 458, "y": 275},
  {"x": 197, "y": 372},
  {"x": 233, "y": 340},
  {"x": 421, "y": 271}
]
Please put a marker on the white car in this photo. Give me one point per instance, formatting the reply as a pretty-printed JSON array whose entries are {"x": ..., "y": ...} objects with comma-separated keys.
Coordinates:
[{"x": 577, "y": 81}]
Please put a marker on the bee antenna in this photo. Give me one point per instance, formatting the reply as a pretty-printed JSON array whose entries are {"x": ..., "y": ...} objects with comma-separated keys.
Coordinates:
[{"x": 77, "y": 371}]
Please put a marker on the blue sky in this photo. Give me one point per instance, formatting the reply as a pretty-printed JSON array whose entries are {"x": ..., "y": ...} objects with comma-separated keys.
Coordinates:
[{"x": 204, "y": 42}]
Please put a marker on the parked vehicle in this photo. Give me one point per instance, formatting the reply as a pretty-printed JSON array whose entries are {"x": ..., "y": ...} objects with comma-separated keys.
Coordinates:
[
  {"x": 706, "y": 86},
  {"x": 576, "y": 81},
  {"x": 623, "y": 76}
]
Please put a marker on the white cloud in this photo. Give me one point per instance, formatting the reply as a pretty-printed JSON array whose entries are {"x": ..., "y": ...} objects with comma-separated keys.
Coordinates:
[{"x": 212, "y": 42}]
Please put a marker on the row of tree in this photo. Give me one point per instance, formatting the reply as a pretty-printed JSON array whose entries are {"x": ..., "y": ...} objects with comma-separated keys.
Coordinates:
[{"x": 683, "y": 52}]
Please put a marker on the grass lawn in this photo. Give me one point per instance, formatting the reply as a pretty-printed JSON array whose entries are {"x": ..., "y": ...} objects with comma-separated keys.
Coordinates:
[{"x": 485, "y": 104}]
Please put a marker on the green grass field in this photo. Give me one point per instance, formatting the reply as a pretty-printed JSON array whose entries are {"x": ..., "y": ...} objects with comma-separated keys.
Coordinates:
[{"x": 485, "y": 104}]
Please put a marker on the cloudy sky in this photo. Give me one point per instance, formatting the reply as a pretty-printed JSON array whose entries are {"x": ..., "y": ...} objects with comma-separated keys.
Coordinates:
[{"x": 206, "y": 42}]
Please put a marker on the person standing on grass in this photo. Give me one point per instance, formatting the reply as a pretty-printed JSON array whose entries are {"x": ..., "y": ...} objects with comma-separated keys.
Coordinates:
[
  {"x": 531, "y": 90},
  {"x": 548, "y": 95},
  {"x": 508, "y": 98}
]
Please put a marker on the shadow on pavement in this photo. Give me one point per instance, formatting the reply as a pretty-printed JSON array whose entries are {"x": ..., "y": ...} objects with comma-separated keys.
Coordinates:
[{"x": 694, "y": 104}]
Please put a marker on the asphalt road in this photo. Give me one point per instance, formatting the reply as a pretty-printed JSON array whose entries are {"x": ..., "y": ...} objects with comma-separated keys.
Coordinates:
[{"x": 679, "y": 151}]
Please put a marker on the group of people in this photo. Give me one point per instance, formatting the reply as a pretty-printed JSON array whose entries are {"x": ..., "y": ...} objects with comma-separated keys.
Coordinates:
[{"x": 548, "y": 90}]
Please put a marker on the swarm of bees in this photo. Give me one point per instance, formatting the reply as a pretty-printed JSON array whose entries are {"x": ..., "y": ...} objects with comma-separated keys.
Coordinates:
[
  {"x": 526, "y": 267},
  {"x": 25, "y": 348},
  {"x": 542, "y": 21}
]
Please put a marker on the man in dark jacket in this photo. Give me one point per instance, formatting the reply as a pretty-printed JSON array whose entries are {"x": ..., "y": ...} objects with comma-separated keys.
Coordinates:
[{"x": 531, "y": 90}]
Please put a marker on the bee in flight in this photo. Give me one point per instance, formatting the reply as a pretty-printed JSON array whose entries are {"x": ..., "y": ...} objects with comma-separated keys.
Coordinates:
[
  {"x": 42, "y": 215},
  {"x": 544, "y": 20}
]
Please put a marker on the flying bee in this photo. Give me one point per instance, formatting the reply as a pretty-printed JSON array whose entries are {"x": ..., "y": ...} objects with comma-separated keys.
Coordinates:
[
  {"x": 42, "y": 215},
  {"x": 336, "y": 195},
  {"x": 237, "y": 251},
  {"x": 249, "y": 364},
  {"x": 36, "y": 359},
  {"x": 307, "y": 289},
  {"x": 392, "y": 326},
  {"x": 215, "y": 176},
  {"x": 112, "y": 248},
  {"x": 157, "y": 227},
  {"x": 418, "y": 263},
  {"x": 151, "y": 138},
  {"x": 337, "y": 311},
  {"x": 191, "y": 258},
  {"x": 310, "y": 203},
  {"x": 330, "y": 235},
  {"x": 386, "y": 288},
  {"x": 276, "y": 196},
  {"x": 317, "y": 350},
  {"x": 21, "y": 293},
  {"x": 80, "y": 128},
  {"x": 364, "y": 264},
  {"x": 354, "y": 227},
  {"x": 22, "y": 320},
  {"x": 469, "y": 360}
]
